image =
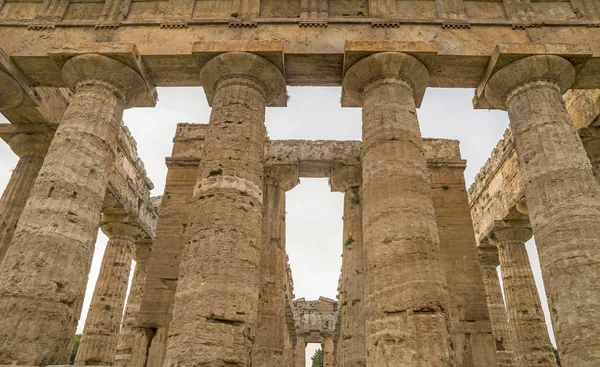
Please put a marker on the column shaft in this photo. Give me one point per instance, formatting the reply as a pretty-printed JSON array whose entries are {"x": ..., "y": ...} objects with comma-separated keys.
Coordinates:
[
  {"x": 352, "y": 345},
  {"x": 214, "y": 324},
  {"x": 101, "y": 332},
  {"x": 31, "y": 150},
  {"x": 300, "y": 353},
  {"x": 43, "y": 275},
  {"x": 498, "y": 318},
  {"x": 270, "y": 326},
  {"x": 328, "y": 356},
  {"x": 532, "y": 344}
]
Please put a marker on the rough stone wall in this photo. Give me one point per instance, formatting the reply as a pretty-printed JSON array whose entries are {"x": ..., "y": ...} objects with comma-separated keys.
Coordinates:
[{"x": 315, "y": 320}]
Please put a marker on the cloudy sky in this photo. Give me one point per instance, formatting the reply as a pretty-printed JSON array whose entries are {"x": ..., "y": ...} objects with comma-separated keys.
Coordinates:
[{"x": 314, "y": 214}]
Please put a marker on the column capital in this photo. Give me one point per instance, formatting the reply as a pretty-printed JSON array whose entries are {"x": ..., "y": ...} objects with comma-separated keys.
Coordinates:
[
  {"x": 286, "y": 176},
  {"x": 526, "y": 73},
  {"x": 121, "y": 229},
  {"x": 488, "y": 256},
  {"x": 505, "y": 232},
  {"x": 246, "y": 68},
  {"x": 344, "y": 177},
  {"x": 25, "y": 145},
  {"x": 143, "y": 249},
  {"x": 96, "y": 69},
  {"x": 11, "y": 94},
  {"x": 385, "y": 67}
]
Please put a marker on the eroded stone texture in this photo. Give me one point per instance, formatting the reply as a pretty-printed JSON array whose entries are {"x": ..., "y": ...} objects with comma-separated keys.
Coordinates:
[
  {"x": 43, "y": 275},
  {"x": 351, "y": 347},
  {"x": 563, "y": 197},
  {"x": 300, "y": 353},
  {"x": 271, "y": 320},
  {"x": 215, "y": 324},
  {"x": 101, "y": 332},
  {"x": 531, "y": 345},
  {"x": 405, "y": 286},
  {"x": 328, "y": 355},
  {"x": 134, "y": 340},
  {"x": 31, "y": 150},
  {"x": 498, "y": 318}
]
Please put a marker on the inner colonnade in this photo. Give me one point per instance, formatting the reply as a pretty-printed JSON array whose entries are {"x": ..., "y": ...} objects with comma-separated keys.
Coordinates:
[{"x": 419, "y": 283}]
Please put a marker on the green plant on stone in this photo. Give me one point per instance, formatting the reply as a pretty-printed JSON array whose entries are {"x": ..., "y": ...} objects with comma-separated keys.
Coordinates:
[{"x": 349, "y": 240}]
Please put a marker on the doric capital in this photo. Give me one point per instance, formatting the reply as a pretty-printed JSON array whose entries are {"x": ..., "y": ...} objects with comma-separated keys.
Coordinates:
[
  {"x": 344, "y": 177},
  {"x": 11, "y": 94},
  {"x": 385, "y": 66},
  {"x": 243, "y": 68},
  {"x": 25, "y": 145},
  {"x": 505, "y": 232},
  {"x": 528, "y": 72},
  {"x": 143, "y": 249},
  {"x": 122, "y": 229},
  {"x": 488, "y": 256},
  {"x": 286, "y": 176}
]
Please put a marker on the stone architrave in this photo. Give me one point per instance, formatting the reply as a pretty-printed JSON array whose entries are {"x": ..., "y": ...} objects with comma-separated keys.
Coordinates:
[
  {"x": 563, "y": 197},
  {"x": 405, "y": 286},
  {"x": 215, "y": 323},
  {"x": 101, "y": 331},
  {"x": 271, "y": 328},
  {"x": 31, "y": 149},
  {"x": 531, "y": 345},
  {"x": 351, "y": 347},
  {"x": 44, "y": 273},
  {"x": 132, "y": 347},
  {"x": 488, "y": 258}
]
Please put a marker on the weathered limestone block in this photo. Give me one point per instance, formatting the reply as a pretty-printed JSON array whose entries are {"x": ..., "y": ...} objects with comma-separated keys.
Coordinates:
[
  {"x": 532, "y": 345},
  {"x": 405, "y": 285},
  {"x": 134, "y": 340},
  {"x": 215, "y": 323},
  {"x": 300, "y": 353},
  {"x": 271, "y": 323},
  {"x": 101, "y": 332},
  {"x": 43, "y": 275},
  {"x": 563, "y": 197},
  {"x": 504, "y": 342},
  {"x": 328, "y": 356},
  {"x": 31, "y": 150},
  {"x": 352, "y": 346}
]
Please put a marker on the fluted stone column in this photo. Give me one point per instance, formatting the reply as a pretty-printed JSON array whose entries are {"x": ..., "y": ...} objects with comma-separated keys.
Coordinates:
[
  {"x": 101, "y": 332},
  {"x": 300, "y": 352},
  {"x": 132, "y": 347},
  {"x": 215, "y": 323},
  {"x": 563, "y": 197},
  {"x": 488, "y": 257},
  {"x": 44, "y": 273},
  {"x": 405, "y": 285},
  {"x": 31, "y": 150},
  {"x": 351, "y": 347},
  {"x": 532, "y": 345},
  {"x": 328, "y": 356},
  {"x": 271, "y": 325}
]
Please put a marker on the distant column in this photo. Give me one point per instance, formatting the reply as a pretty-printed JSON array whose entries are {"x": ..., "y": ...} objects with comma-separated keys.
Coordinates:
[
  {"x": 563, "y": 197},
  {"x": 328, "y": 356},
  {"x": 488, "y": 257},
  {"x": 101, "y": 332},
  {"x": 31, "y": 150},
  {"x": 44, "y": 273},
  {"x": 300, "y": 352},
  {"x": 532, "y": 345}
]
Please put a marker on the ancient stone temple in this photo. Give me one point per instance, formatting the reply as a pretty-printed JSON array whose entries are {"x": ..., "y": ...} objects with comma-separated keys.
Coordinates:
[{"x": 419, "y": 284}]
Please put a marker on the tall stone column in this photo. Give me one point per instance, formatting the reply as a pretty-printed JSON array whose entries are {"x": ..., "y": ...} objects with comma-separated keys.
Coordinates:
[
  {"x": 352, "y": 346},
  {"x": 215, "y": 323},
  {"x": 132, "y": 347},
  {"x": 31, "y": 150},
  {"x": 488, "y": 257},
  {"x": 563, "y": 197},
  {"x": 300, "y": 352},
  {"x": 405, "y": 285},
  {"x": 101, "y": 332},
  {"x": 532, "y": 345},
  {"x": 328, "y": 356},
  {"x": 271, "y": 327},
  {"x": 44, "y": 273}
]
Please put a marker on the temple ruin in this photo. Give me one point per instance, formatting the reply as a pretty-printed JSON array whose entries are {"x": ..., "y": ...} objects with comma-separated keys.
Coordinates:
[{"x": 419, "y": 282}]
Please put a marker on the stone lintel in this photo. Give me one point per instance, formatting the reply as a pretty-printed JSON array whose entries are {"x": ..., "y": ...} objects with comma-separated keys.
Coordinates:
[
  {"x": 354, "y": 51},
  {"x": 30, "y": 97},
  {"x": 507, "y": 53},
  {"x": 269, "y": 50},
  {"x": 126, "y": 53}
]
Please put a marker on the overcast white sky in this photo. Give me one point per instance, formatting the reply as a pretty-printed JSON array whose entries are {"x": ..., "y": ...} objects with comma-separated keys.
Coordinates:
[{"x": 314, "y": 214}]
